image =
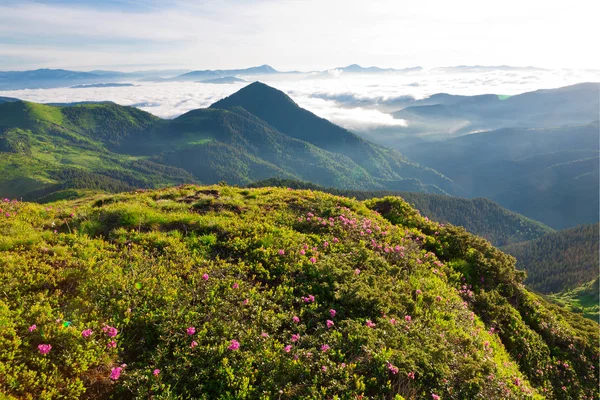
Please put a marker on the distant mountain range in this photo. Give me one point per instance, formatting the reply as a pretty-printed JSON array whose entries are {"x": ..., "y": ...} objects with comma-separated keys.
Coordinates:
[
  {"x": 443, "y": 116},
  {"x": 52, "y": 78},
  {"x": 257, "y": 133}
]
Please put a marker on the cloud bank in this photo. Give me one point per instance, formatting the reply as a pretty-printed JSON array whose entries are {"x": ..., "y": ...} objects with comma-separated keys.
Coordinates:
[{"x": 356, "y": 102}]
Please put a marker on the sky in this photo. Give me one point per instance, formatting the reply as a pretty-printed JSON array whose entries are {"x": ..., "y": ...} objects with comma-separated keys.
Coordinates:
[{"x": 296, "y": 34}]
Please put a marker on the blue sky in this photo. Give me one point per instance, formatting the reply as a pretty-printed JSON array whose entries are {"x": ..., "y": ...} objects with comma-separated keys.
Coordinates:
[{"x": 294, "y": 34}]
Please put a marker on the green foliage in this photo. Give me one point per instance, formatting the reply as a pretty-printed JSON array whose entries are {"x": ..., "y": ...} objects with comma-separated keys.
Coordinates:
[
  {"x": 481, "y": 217},
  {"x": 414, "y": 302},
  {"x": 561, "y": 260}
]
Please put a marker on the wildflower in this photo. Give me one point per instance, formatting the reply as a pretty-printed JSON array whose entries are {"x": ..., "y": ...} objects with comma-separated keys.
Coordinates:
[
  {"x": 303, "y": 252},
  {"x": 235, "y": 285},
  {"x": 193, "y": 344},
  {"x": 32, "y": 328},
  {"x": 112, "y": 344},
  {"x": 330, "y": 323},
  {"x": 234, "y": 345},
  {"x": 295, "y": 319},
  {"x": 325, "y": 347},
  {"x": 86, "y": 333},
  {"x": 335, "y": 240},
  {"x": 309, "y": 299},
  {"x": 393, "y": 321},
  {"x": 115, "y": 373},
  {"x": 435, "y": 397},
  {"x": 44, "y": 348},
  {"x": 264, "y": 334},
  {"x": 287, "y": 348},
  {"x": 408, "y": 318},
  {"x": 325, "y": 244},
  {"x": 313, "y": 260},
  {"x": 110, "y": 331},
  {"x": 332, "y": 312},
  {"x": 370, "y": 324},
  {"x": 205, "y": 277},
  {"x": 324, "y": 368},
  {"x": 356, "y": 271},
  {"x": 411, "y": 375},
  {"x": 393, "y": 370},
  {"x": 517, "y": 382},
  {"x": 191, "y": 330},
  {"x": 281, "y": 252},
  {"x": 295, "y": 337},
  {"x": 156, "y": 372}
]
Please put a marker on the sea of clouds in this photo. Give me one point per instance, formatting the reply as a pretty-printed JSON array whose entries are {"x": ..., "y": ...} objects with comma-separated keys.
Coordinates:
[{"x": 360, "y": 102}]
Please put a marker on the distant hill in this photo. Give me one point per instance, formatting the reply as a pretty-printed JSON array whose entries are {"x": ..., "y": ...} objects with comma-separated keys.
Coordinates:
[
  {"x": 281, "y": 112},
  {"x": 442, "y": 116},
  {"x": 584, "y": 300},
  {"x": 560, "y": 260},
  {"x": 548, "y": 174},
  {"x": 481, "y": 217},
  {"x": 102, "y": 85},
  {"x": 214, "y": 74},
  {"x": 224, "y": 80},
  {"x": 104, "y": 146}
]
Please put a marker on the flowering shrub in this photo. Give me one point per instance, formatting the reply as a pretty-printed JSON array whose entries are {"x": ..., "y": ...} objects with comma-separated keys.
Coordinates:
[{"x": 270, "y": 293}]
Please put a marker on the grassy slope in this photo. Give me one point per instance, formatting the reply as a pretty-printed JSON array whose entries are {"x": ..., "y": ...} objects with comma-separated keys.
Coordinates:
[
  {"x": 237, "y": 263},
  {"x": 481, "y": 217},
  {"x": 582, "y": 300},
  {"x": 561, "y": 260}
]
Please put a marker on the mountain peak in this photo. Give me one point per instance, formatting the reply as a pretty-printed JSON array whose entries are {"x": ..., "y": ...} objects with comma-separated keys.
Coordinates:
[{"x": 256, "y": 95}]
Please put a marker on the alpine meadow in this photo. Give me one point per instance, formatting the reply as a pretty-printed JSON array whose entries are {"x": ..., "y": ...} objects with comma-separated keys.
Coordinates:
[{"x": 292, "y": 199}]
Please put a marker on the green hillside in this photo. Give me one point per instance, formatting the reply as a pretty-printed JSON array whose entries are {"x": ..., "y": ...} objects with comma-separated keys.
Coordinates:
[
  {"x": 104, "y": 146},
  {"x": 481, "y": 217},
  {"x": 561, "y": 260},
  {"x": 583, "y": 300},
  {"x": 220, "y": 293}
]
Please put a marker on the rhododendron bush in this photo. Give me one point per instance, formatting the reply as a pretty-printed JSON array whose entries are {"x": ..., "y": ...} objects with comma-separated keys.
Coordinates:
[{"x": 219, "y": 292}]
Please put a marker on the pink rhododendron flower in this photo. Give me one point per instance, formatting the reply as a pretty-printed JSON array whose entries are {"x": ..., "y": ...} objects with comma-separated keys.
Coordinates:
[
  {"x": 234, "y": 345},
  {"x": 335, "y": 240},
  {"x": 332, "y": 312},
  {"x": 287, "y": 348},
  {"x": 44, "y": 348},
  {"x": 411, "y": 375},
  {"x": 86, "y": 333},
  {"x": 115, "y": 373},
  {"x": 325, "y": 347},
  {"x": 330, "y": 323},
  {"x": 191, "y": 330},
  {"x": 303, "y": 252},
  {"x": 295, "y": 319},
  {"x": 418, "y": 291},
  {"x": 246, "y": 301},
  {"x": 205, "y": 277},
  {"x": 110, "y": 331},
  {"x": 32, "y": 328},
  {"x": 435, "y": 397},
  {"x": 408, "y": 318},
  {"x": 313, "y": 260},
  {"x": 325, "y": 244},
  {"x": 393, "y": 321},
  {"x": 324, "y": 368},
  {"x": 193, "y": 344},
  {"x": 156, "y": 372},
  {"x": 264, "y": 334},
  {"x": 356, "y": 271},
  {"x": 235, "y": 285},
  {"x": 370, "y": 323},
  {"x": 295, "y": 337},
  {"x": 112, "y": 344},
  {"x": 281, "y": 252},
  {"x": 393, "y": 370}
]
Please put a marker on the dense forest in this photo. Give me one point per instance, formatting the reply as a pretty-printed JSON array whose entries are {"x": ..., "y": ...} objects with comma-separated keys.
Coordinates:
[{"x": 559, "y": 261}]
